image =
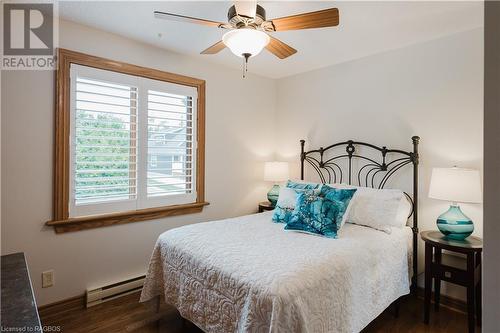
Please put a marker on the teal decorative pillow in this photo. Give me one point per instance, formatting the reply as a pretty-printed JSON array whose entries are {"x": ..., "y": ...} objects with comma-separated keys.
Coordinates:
[
  {"x": 338, "y": 202},
  {"x": 302, "y": 186},
  {"x": 308, "y": 215},
  {"x": 287, "y": 199},
  {"x": 321, "y": 213}
]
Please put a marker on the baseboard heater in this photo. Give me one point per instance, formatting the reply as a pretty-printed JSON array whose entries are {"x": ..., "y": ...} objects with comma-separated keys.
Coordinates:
[{"x": 115, "y": 290}]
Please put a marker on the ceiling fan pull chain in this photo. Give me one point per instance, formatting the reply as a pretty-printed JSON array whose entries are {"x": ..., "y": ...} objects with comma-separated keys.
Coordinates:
[
  {"x": 245, "y": 63},
  {"x": 244, "y": 68}
]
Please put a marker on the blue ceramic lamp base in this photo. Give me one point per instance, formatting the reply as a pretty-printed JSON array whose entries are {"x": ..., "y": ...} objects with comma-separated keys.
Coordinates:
[
  {"x": 454, "y": 224},
  {"x": 273, "y": 194}
]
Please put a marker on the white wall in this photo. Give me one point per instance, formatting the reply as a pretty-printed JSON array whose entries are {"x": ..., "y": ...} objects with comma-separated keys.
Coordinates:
[
  {"x": 238, "y": 136},
  {"x": 432, "y": 89}
]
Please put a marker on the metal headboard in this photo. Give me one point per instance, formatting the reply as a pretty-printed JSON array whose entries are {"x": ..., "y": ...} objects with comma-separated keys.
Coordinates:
[{"x": 371, "y": 172}]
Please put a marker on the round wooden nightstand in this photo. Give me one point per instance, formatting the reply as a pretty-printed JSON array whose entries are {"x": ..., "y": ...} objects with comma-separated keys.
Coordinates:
[
  {"x": 265, "y": 205},
  {"x": 470, "y": 278}
]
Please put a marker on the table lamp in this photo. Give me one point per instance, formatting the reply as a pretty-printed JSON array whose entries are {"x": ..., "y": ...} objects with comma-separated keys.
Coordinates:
[
  {"x": 455, "y": 185},
  {"x": 275, "y": 172}
]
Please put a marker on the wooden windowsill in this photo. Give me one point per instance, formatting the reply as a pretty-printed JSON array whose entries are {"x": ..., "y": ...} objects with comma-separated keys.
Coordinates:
[{"x": 98, "y": 221}]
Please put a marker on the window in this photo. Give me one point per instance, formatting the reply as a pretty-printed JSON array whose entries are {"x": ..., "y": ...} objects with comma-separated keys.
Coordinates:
[
  {"x": 119, "y": 122},
  {"x": 127, "y": 144}
]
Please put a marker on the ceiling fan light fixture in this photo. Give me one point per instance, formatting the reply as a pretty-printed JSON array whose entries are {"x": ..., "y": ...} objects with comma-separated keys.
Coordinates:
[{"x": 245, "y": 41}]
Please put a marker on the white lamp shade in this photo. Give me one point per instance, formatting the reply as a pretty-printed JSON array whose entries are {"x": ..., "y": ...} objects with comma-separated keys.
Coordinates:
[
  {"x": 242, "y": 41},
  {"x": 456, "y": 185},
  {"x": 276, "y": 171}
]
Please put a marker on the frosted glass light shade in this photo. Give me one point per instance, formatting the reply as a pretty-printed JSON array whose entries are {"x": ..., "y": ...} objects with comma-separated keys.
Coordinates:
[
  {"x": 276, "y": 171},
  {"x": 242, "y": 41},
  {"x": 456, "y": 185}
]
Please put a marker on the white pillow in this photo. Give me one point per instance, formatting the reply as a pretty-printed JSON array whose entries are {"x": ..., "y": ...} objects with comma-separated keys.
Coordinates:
[
  {"x": 287, "y": 197},
  {"x": 404, "y": 211},
  {"x": 380, "y": 209}
]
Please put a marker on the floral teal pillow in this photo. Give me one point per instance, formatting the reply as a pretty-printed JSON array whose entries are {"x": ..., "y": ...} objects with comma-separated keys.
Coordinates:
[
  {"x": 321, "y": 213},
  {"x": 302, "y": 186},
  {"x": 287, "y": 199},
  {"x": 341, "y": 198}
]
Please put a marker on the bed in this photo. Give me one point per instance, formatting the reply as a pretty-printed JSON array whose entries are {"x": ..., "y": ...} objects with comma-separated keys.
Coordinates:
[{"x": 247, "y": 274}]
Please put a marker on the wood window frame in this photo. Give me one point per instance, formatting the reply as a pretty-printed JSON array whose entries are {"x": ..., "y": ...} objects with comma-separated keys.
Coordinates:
[{"x": 61, "y": 220}]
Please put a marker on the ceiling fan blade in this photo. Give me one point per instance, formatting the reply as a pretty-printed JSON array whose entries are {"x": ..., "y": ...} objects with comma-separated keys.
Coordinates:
[
  {"x": 216, "y": 48},
  {"x": 188, "y": 19},
  {"x": 320, "y": 19},
  {"x": 246, "y": 8},
  {"x": 280, "y": 49}
]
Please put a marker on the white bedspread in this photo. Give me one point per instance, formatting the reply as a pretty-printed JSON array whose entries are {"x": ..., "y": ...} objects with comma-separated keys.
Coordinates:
[{"x": 247, "y": 274}]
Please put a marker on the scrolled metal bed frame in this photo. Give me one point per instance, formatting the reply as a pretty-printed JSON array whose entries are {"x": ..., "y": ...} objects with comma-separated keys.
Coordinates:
[{"x": 330, "y": 170}]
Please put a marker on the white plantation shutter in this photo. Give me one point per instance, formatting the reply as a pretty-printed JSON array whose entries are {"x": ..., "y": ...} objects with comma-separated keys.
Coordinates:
[
  {"x": 170, "y": 144},
  {"x": 105, "y": 153},
  {"x": 133, "y": 142}
]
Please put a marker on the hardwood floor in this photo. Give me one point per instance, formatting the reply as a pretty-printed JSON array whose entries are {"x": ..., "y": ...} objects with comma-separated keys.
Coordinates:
[{"x": 127, "y": 315}]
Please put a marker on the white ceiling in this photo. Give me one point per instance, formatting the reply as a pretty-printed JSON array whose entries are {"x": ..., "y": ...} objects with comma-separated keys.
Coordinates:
[{"x": 365, "y": 28}]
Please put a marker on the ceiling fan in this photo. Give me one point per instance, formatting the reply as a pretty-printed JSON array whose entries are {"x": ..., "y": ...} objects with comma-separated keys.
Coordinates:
[{"x": 248, "y": 28}]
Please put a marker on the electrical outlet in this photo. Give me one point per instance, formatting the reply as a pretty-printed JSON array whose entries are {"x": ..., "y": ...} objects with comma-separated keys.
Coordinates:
[{"x": 48, "y": 278}]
